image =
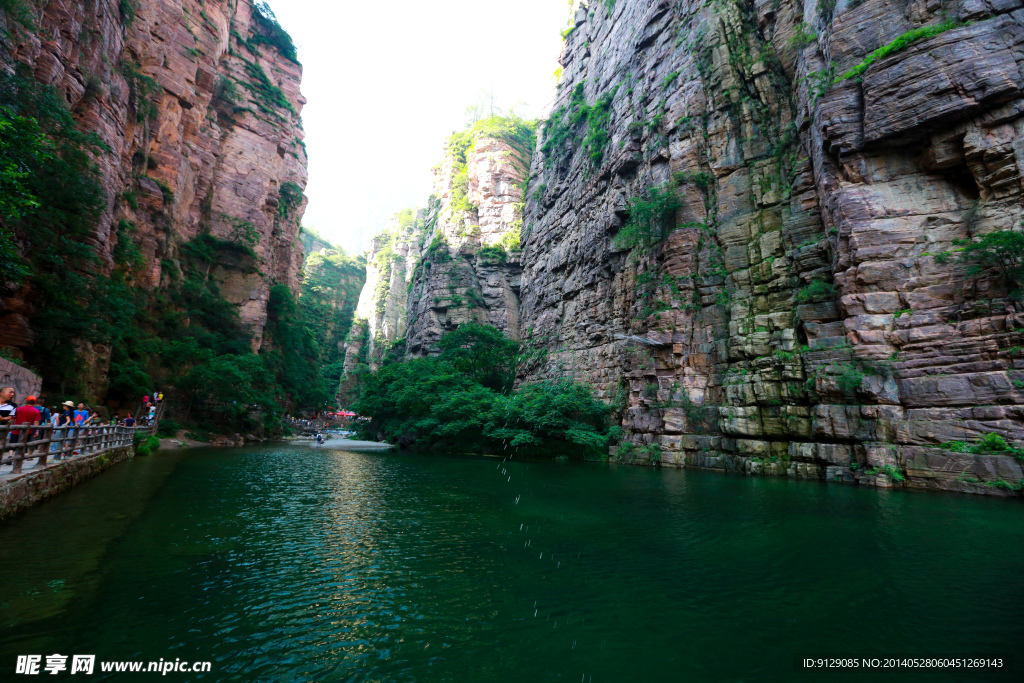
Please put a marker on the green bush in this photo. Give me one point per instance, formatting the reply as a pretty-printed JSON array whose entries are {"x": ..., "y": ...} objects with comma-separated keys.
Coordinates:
[
  {"x": 493, "y": 253},
  {"x": 817, "y": 290},
  {"x": 566, "y": 124},
  {"x": 168, "y": 427},
  {"x": 463, "y": 400},
  {"x": 1001, "y": 252},
  {"x": 701, "y": 179},
  {"x": 890, "y": 471},
  {"x": 144, "y": 445},
  {"x": 992, "y": 442},
  {"x": 848, "y": 377},
  {"x": 270, "y": 32},
  {"x": 651, "y": 219},
  {"x": 438, "y": 252},
  {"x": 988, "y": 443},
  {"x": 511, "y": 240},
  {"x": 291, "y": 198}
]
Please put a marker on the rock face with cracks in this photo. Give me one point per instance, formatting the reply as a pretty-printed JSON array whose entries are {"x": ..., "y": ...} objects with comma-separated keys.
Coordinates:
[
  {"x": 787, "y": 174},
  {"x": 435, "y": 269},
  {"x": 793, "y": 319},
  {"x": 220, "y": 152}
]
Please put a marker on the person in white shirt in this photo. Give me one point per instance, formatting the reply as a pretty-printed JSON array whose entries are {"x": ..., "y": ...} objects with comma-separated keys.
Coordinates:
[{"x": 7, "y": 407}]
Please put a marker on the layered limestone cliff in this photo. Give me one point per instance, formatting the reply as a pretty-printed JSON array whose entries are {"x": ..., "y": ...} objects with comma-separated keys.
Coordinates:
[
  {"x": 331, "y": 287},
  {"x": 199, "y": 112},
  {"x": 470, "y": 257},
  {"x": 380, "y": 316},
  {"x": 735, "y": 229},
  {"x": 796, "y": 320},
  {"x": 454, "y": 262}
]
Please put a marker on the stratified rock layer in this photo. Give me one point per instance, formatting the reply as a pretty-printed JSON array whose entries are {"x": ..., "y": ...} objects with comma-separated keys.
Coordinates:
[
  {"x": 713, "y": 345},
  {"x": 224, "y": 138},
  {"x": 446, "y": 265}
]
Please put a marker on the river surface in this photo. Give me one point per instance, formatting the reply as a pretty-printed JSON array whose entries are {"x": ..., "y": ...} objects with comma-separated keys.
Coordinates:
[{"x": 289, "y": 563}]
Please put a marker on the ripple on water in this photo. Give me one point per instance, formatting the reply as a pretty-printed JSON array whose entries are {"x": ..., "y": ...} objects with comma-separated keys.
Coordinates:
[{"x": 304, "y": 564}]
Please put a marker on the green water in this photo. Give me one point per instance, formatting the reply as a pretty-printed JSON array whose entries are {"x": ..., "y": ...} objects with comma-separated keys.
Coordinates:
[{"x": 294, "y": 564}]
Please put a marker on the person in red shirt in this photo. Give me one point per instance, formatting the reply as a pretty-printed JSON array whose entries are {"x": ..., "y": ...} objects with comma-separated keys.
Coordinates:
[{"x": 27, "y": 414}]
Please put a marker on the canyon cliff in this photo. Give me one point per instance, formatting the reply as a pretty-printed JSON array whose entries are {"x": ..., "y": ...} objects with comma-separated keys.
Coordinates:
[
  {"x": 454, "y": 262},
  {"x": 195, "y": 106},
  {"x": 740, "y": 228}
]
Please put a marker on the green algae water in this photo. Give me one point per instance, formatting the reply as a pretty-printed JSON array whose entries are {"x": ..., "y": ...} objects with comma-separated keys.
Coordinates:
[{"x": 296, "y": 564}]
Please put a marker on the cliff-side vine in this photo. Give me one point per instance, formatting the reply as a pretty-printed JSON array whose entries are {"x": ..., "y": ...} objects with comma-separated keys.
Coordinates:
[{"x": 576, "y": 123}]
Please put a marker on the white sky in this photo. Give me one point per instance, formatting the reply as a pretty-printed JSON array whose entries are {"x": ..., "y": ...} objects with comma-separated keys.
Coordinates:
[{"x": 387, "y": 82}]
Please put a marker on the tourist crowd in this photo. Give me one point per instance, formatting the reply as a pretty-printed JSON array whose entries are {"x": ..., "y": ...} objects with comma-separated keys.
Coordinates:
[{"x": 68, "y": 419}]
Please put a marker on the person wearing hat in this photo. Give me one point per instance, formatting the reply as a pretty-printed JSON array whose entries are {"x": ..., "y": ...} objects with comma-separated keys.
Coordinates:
[{"x": 64, "y": 422}]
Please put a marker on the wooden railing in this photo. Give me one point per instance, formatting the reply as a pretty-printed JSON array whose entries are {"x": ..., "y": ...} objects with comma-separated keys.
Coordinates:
[{"x": 19, "y": 443}]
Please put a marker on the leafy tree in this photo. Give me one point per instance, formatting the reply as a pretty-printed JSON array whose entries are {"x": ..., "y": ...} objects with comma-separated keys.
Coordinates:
[
  {"x": 483, "y": 354},
  {"x": 23, "y": 148},
  {"x": 43, "y": 155},
  {"x": 546, "y": 413},
  {"x": 1002, "y": 252},
  {"x": 443, "y": 403}
]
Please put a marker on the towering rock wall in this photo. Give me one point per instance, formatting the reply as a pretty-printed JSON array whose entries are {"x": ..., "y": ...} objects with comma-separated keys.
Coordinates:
[
  {"x": 795, "y": 319},
  {"x": 381, "y": 312},
  {"x": 331, "y": 289},
  {"x": 200, "y": 112},
  {"x": 470, "y": 257},
  {"x": 454, "y": 262}
]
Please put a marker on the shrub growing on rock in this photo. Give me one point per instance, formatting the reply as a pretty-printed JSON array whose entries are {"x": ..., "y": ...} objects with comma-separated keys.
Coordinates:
[
  {"x": 1001, "y": 252},
  {"x": 651, "y": 219},
  {"x": 817, "y": 290}
]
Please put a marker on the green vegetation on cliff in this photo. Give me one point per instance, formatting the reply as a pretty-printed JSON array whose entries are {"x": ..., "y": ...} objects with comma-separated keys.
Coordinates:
[
  {"x": 518, "y": 133},
  {"x": 1000, "y": 252},
  {"x": 182, "y": 336},
  {"x": 901, "y": 43},
  {"x": 187, "y": 338},
  {"x": 330, "y": 293},
  {"x": 576, "y": 123},
  {"x": 51, "y": 198},
  {"x": 269, "y": 32},
  {"x": 651, "y": 219},
  {"x": 463, "y": 399}
]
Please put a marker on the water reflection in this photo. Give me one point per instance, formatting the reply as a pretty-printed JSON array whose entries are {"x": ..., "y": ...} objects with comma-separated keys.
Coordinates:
[{"x": 300, "y": 564}]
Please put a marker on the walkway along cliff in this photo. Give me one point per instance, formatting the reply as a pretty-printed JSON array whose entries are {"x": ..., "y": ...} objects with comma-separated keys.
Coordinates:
[{"x": 741, "y": 228}]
